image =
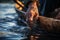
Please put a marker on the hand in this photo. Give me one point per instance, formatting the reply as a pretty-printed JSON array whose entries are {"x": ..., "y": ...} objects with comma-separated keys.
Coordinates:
[{"x": 32, "y": 14}]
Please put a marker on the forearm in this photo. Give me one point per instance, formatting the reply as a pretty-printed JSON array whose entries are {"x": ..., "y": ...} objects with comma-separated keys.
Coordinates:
[{"x": 49, "y": 24}]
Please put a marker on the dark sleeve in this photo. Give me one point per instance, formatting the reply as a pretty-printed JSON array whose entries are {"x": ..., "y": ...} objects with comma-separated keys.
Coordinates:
[{"x": 49, "y": 24}]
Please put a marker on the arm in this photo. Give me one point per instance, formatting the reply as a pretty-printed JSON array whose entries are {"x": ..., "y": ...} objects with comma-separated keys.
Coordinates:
[{"x": 49, "y": 24}]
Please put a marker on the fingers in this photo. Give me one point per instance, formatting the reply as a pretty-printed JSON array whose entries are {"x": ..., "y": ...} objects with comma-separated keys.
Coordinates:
[{"x": 32, "y": 14}]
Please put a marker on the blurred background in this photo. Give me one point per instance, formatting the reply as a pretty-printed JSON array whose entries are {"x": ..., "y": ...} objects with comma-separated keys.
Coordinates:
[{"x": 8, "y": 1}]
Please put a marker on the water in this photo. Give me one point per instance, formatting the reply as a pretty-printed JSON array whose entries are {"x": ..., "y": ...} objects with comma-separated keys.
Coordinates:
[{"x": 9, "y": 29}]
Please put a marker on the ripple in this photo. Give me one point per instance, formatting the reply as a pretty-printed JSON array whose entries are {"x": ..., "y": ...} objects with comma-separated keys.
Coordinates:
[{"x": 8, "y": 23}]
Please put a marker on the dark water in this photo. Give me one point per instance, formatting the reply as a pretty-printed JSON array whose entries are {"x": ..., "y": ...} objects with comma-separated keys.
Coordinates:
[{"x": 9, "y": 30}]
